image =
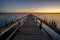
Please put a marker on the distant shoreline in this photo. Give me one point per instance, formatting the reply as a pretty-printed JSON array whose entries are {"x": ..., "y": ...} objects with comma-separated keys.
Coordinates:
[{"x": 29, "y": 13}]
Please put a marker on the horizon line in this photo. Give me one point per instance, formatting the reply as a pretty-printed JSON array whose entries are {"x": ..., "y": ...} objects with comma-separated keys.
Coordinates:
[{"x": 29, "y": 13}]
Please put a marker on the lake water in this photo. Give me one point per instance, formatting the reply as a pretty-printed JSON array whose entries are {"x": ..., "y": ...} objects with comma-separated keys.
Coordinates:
[{"x": 14, "y": 17}]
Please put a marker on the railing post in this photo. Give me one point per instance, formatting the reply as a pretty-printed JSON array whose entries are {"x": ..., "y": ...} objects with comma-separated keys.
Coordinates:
[
  {"x": 40, "y": 25},
  {"x": 19, "y": 23},
  {"x": 6, "y": 24}
]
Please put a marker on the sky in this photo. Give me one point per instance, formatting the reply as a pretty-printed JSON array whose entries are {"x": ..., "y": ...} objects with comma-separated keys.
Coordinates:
[{"x": 12, "y": 6}]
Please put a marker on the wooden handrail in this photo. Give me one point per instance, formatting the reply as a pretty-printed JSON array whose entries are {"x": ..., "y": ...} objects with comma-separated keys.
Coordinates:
[
  {"x": 12, "y": 33},
  {"x": 54, "y": 37},
  {"x": 4, "y": 32},
  {"x": 10, "y": 26}
]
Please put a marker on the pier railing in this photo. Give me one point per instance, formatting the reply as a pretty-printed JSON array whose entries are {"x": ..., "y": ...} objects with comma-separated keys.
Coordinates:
[
  {"x": 45, "y": 27},
  {"x": 11, "y": 29}
]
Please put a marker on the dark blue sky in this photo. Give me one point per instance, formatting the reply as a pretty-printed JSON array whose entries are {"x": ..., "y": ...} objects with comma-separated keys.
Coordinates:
[{"x": 29, "y": 6}]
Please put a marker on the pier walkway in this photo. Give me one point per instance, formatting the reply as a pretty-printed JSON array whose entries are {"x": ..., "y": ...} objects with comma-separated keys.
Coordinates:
[{"x": 30, "y": 31}]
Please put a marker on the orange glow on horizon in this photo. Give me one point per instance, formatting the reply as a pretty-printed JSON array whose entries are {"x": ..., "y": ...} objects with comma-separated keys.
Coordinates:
[{"x": 33, "y": 11}]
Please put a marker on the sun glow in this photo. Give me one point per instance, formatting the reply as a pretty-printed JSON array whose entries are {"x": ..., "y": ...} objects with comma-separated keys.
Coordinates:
[{"x": 48, "y": 11}]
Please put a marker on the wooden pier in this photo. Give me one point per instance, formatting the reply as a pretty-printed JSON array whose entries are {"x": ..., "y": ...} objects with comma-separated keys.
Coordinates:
[{"x": 27, "y": 28}]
